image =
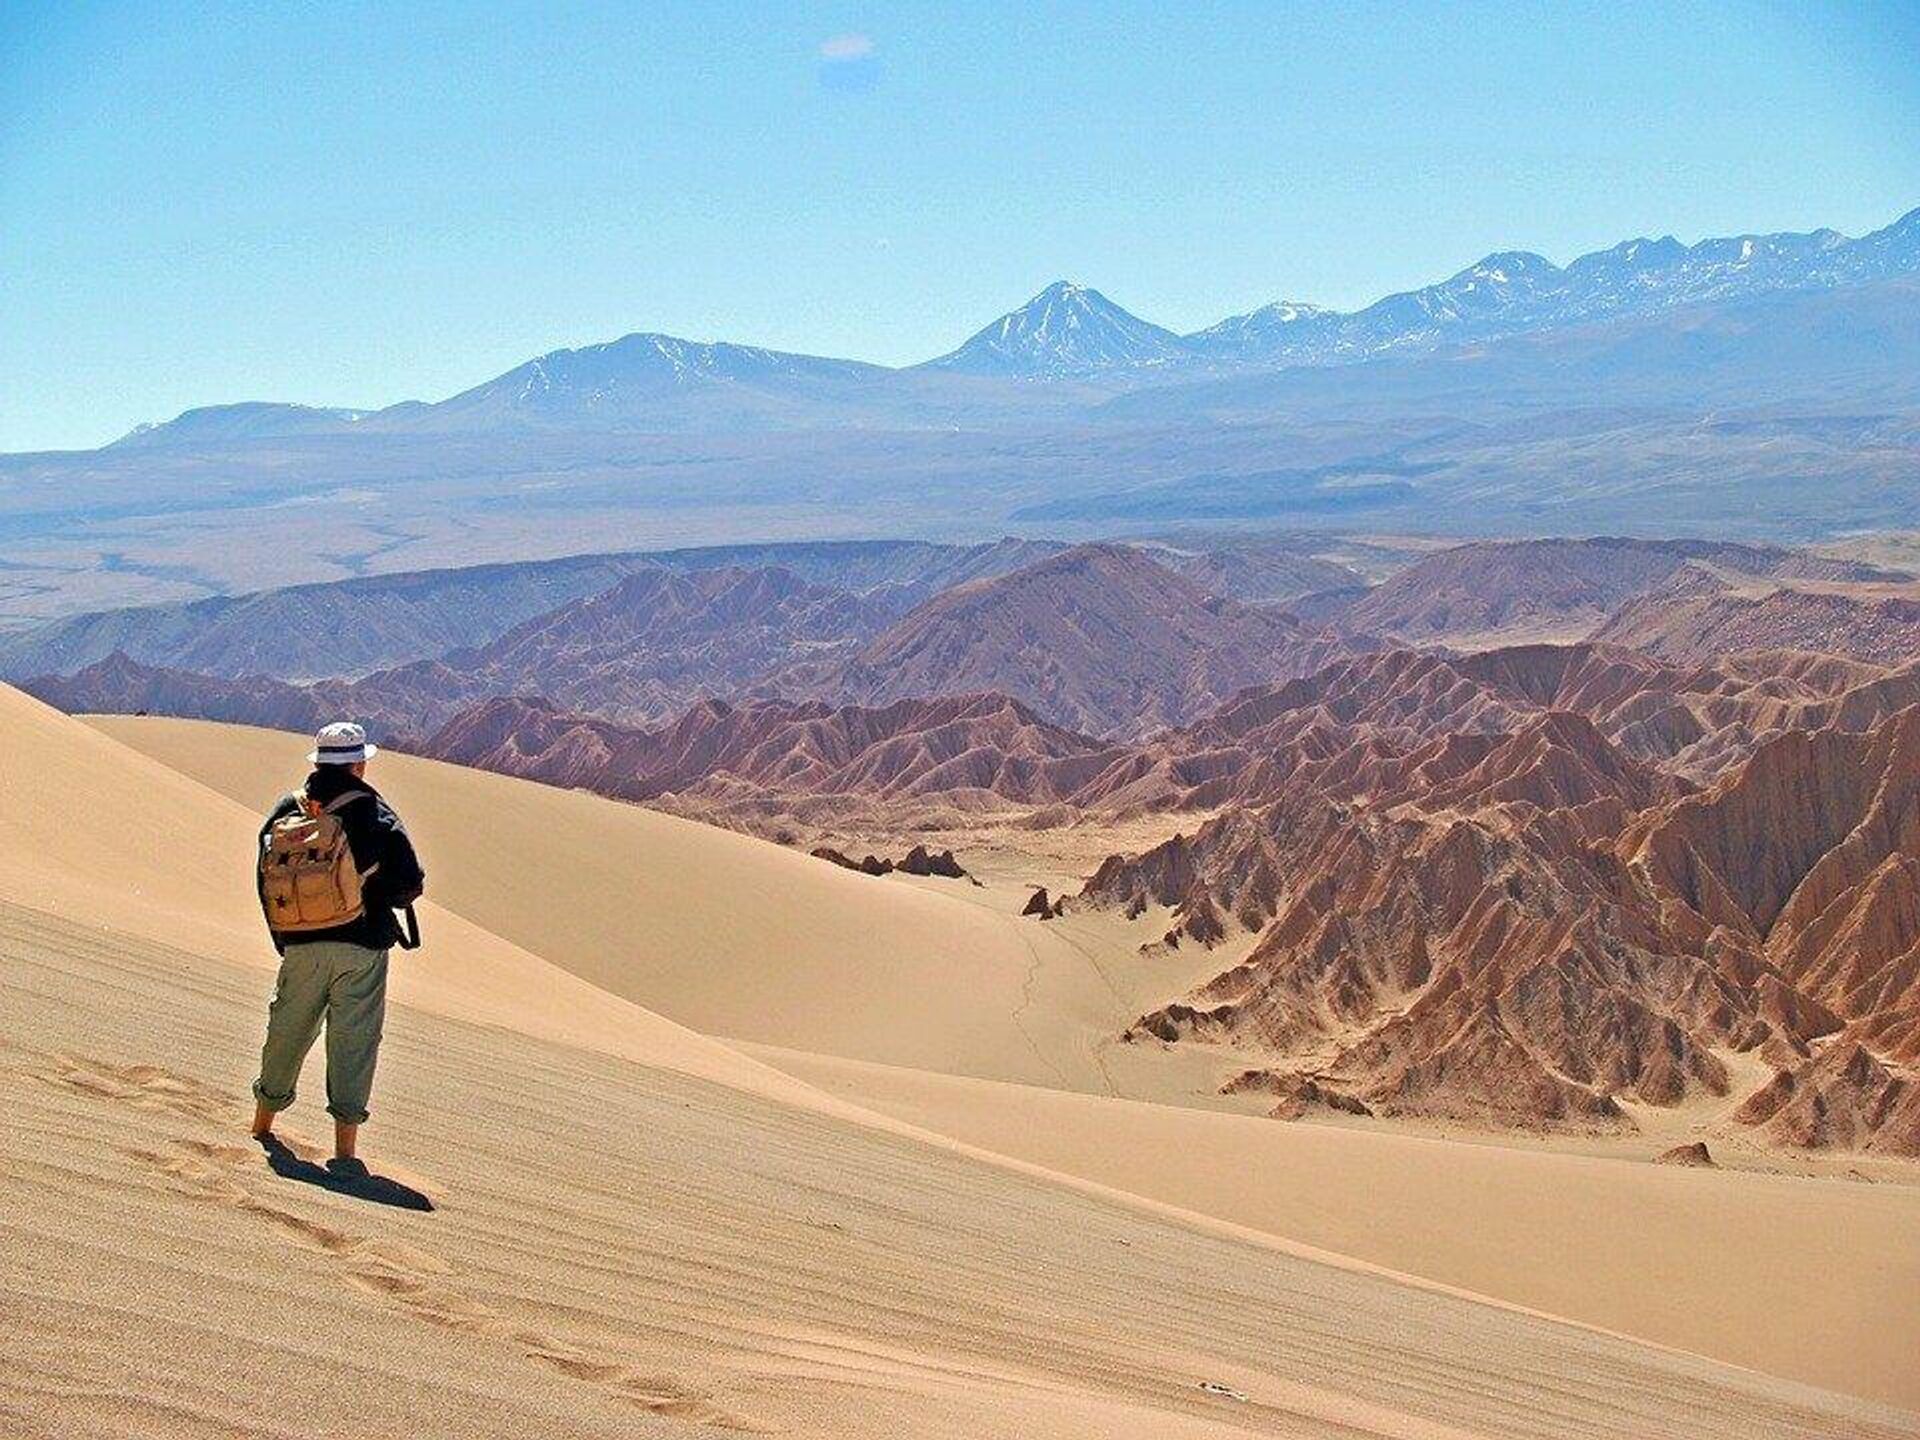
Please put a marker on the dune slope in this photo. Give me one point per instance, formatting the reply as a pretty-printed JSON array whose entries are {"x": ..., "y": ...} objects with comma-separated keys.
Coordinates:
[
  {"x": 106, "y": 836},
  {"x": 1838, "y": 1254},
  {"x": 619, "y": 1248},
  {"x": 1818, "y": 1279},
  {"x": 729, "y": 935}
]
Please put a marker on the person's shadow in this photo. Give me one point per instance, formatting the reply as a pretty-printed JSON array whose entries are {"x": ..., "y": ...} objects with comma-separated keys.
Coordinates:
[{"x": 342, "y": 1177}]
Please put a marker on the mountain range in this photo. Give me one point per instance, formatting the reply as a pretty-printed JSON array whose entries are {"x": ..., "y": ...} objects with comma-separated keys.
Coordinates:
[
  {"x": 1107, "y": 639},
  {"x": 1760, "y": 388},
  {"x": 1073, "y": 333},
  {"x": 1517, "y": 291},
  {"x": 350, "y": 628},
  {"x": 1101, "y": 638},
  {"x": 1561, "y": 886}
]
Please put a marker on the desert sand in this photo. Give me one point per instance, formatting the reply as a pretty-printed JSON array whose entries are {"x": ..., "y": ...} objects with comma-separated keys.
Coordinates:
[
  {"x": 727, "y": 935},
  {"x": 930, "y": 1002},
  {"x": 1817, "y": 1278},
  {"x": 636, "y": 1231}
]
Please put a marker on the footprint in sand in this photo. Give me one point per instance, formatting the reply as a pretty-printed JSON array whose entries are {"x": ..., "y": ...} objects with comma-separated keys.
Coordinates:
[
  {"x": 214, "y": 1170},
  {"x": 662, "y": 1397},
  {"x": 413, "y": 1278},
  {"x": 217, "y": 1152},
  {"x": 194, "y": 1176},
  {"x": 147, "y": 1087},
  {"x": 152, "y": 1087}
]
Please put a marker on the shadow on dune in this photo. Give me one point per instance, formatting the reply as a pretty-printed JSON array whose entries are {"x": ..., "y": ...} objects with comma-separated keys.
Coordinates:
[{"x": 348, "y": 1177}]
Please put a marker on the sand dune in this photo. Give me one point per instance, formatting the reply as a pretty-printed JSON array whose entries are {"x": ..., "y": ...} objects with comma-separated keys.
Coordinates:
[
  {"x": 1813, "y": 1278},
  {"x": 106, "y": 836},
  {"x": 720, "y": 932},
  {"x": 1816, "y": 1281},
  {"x": 623, "y": 1249}
]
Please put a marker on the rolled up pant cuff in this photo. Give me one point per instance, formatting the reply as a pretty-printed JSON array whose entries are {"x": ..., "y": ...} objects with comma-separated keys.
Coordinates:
[
  {"x": 275, "y": 1103},
  {"x": 346, "y": 1116}
]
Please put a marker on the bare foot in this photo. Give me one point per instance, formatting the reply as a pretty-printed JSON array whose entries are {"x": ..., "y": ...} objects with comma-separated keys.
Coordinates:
[
  {"x": 345, "y": 1138},
  {"x": 262, "y": 1122}
]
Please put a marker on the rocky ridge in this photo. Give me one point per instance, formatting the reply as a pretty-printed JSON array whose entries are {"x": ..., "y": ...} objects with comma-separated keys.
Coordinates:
[
  {"x": 1101, "y": 639},
  {"x": 1564, "y": 935}
]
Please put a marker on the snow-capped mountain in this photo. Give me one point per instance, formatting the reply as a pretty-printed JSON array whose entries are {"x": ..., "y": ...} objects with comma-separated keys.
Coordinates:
[
  {"x": 1066, "y": 330},
  {"x": 1516, "y": 291},
  {"x": 655, "y": 361},
  {"x": 620, "y": 379},
  {"x": 1275, "y": 327},
  {"x": 1071, "y": 332}
]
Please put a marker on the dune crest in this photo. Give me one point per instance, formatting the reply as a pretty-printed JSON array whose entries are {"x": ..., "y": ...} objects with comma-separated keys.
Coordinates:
[{"x": 91, "y": 823}]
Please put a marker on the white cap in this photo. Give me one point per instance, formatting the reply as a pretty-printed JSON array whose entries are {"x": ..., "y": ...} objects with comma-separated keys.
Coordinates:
[{"x": 341, "y": 743}]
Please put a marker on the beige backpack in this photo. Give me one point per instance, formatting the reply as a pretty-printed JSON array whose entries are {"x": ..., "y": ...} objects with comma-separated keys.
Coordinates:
[{"x": 307, "y": 875}]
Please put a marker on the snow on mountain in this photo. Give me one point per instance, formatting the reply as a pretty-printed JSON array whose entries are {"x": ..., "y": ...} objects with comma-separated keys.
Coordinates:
[
  {"x": 1487, "y": 292},
  {"x": 1513, "y": 292},
  {"x": 611, "y": 378},
  {"x": 1065, "y": 330},
  {"x": 651, "y": 382},
  {"x": 1275, "y": 327}
]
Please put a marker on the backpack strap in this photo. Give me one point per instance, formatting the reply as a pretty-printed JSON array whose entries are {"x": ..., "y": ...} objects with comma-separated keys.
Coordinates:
[{"x": 339, "y": 803}]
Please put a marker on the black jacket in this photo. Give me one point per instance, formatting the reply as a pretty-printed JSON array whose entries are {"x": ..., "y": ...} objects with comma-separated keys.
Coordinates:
[{"x": 377, "y": 839}]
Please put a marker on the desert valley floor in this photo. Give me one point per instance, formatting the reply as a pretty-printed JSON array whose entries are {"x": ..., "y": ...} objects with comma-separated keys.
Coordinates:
[{"x": 719, "y": 1134}]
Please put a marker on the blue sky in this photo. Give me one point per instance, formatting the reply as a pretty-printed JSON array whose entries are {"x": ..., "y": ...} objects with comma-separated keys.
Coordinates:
[{"x": 356, "y": 204}]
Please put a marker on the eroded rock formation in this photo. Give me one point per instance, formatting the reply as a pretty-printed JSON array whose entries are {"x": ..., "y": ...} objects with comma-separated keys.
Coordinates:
[{"x": 1540, "y": 930}]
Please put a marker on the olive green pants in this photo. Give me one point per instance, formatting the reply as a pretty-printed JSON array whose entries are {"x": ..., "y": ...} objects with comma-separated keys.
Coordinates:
[{"x": 346, "y": 987}]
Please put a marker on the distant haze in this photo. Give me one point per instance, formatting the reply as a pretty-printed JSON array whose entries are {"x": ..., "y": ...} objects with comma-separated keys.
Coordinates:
[
  {"x": 1074, "y": 333},
  {"x": 1750, "y": 386},
  {"x": 351, "y": 208}
]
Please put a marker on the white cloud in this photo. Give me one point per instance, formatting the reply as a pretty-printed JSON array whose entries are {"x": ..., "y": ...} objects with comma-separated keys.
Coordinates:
[{"x": 846, "y": 47}]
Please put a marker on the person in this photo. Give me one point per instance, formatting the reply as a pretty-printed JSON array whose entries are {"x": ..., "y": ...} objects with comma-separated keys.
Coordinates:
[{"x": 337, "y": 975}]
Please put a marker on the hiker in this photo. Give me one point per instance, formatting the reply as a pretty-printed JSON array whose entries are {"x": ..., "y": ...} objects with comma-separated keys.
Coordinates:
[{"x": 334, "y": 864}]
